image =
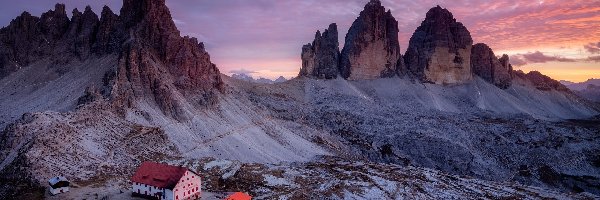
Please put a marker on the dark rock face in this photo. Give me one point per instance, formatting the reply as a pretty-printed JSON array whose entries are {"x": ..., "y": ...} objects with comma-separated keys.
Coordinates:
[
  {"x": 485, "y": 65},
  {"x": 82, "y": 32},
  {"x": 320, "y": 59},
  {"x": 440, "y": 49},
  {"x": 155, "y": 61},
  {"x": 19, "y": 43},
  {"x": 505, "y": 62},
  {"x": 55, "y": 22},
  {"x": 371, "y": 49},
  {"x": 105, "y": 42}
]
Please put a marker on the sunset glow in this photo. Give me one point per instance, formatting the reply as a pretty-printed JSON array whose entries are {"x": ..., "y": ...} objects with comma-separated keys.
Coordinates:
[{"x": 265, "y": 36}]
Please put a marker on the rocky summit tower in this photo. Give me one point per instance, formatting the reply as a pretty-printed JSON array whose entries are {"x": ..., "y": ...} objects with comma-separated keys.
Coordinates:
[
  {"x": 371, "y": 49},
  {"x": 440, "y": 49},
  {"x": 320, "y": 59}
]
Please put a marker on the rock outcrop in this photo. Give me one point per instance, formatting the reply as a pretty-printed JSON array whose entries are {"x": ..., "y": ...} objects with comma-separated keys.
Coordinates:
[
  {"x": 485, "y": 65},
  {"x": 541, "y": 81},
  {"x": 320, "y": 59},
  {"x": 154, "y": 61},
  {"x": 371, "y": 47},
  {"x": 106, "y": 43},
  {"x": 82, "y": 32},
  {"x": 440, "y": 49},
  {"x": 505, "y": 62},
  {"x": 19, "y": 43}
]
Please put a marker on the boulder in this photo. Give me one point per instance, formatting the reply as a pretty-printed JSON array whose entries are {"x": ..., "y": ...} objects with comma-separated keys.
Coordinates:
[
  {"x": 320, "y": 59},
  {"x": 440, "y": 49},
  {"x": 371, "y": 47},
  {"x": 487, "y": 66}
]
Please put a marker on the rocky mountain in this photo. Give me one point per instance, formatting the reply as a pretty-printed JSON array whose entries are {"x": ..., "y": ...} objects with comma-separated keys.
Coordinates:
[
  {"x": 248, "y": 78},
  {"x": 485, "y": 65},
  {"x": 98, "y": 97},
  {"x": 582, "y": 85},
  {"x": 588, "y": 89},
  {"x": 440, "y": 49},
  {"x": 591, "y": 92},
  {"x": 542, "y": 82},
  {"x": 320, "y": 59},
  {"x": 144, "y": 52},
  {"x": 371, "y": 48}
]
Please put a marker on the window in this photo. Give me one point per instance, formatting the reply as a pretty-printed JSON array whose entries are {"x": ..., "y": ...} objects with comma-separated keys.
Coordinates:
[
  {"x": 192, "y": 176},
  {"x": 177, "y": 197}
]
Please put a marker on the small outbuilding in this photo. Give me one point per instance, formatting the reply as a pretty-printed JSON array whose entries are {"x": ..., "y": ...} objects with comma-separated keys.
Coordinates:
[
  {"x": 161, "y": 181},
  {"x": 58, "y": 185}
]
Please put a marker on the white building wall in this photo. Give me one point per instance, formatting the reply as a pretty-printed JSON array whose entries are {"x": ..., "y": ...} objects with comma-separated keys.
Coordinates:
[
  {"x": 59, "y": 190},
  {"x": 188, "y": 187},
  {"x": 144, "y": 189}
]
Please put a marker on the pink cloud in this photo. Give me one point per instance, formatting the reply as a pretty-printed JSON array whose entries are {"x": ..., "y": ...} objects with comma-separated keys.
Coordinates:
[{"x": 592, "y": 47}]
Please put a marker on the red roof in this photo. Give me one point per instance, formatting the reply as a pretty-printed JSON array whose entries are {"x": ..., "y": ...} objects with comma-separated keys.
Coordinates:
[
  {"x": 158, "y": 175},
  {"x": 239, "y": 196}
]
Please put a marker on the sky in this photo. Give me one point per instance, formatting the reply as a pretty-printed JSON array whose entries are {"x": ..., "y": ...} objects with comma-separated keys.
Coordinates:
[{"x": 264, "y": 38}]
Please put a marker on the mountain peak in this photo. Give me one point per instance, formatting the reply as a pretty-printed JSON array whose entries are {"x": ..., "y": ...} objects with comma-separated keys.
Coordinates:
[
  {"x": 361, "y": 58},
  {"x": 440, "y": 49}
]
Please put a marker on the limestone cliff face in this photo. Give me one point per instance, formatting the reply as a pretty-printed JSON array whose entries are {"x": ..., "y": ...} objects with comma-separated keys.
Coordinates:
[
  {"x": 440, "y": 49},
  {"x": 371, "y": 47},
  {"x": 485, "y": 65},
  {"x": 320, "y": 59}
]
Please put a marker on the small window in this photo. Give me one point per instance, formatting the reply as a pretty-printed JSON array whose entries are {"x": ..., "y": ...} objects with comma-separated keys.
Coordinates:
[
  {"x": 192, "y": 176},
  {"x": 177, "y": 197},
  {"x": 188, "y": 179}
]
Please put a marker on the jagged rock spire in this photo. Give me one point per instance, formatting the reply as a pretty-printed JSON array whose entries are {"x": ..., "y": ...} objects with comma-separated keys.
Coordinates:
[
  {"x": 485, "y": 65},
  {"x": 320, "y": 59},
  {"x": 371, "y": 47}
]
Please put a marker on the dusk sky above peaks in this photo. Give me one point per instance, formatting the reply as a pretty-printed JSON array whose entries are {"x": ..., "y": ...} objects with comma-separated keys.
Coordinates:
[{"x": 264, "y": 37}]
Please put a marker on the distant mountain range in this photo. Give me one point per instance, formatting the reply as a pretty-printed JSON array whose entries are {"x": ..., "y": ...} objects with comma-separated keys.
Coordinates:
[
  {"x": 249, "y": 78},
  {"x": 589, "y": 89}
]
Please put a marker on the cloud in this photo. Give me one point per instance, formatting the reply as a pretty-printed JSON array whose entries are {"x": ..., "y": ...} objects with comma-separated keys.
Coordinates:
[
  {"x": 537, "y": 57},
  {"x": 594, "y": 58},
  {"x": 517, "y": 61},
  {"x": 592, "y": 47},
  {"x": 242, "y": 71}
]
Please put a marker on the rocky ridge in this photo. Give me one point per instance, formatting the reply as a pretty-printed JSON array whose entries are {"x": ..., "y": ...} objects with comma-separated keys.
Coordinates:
[
  {"x": 371, "y": 48},
  {"x": 440, "y": 51},
  {"x": 485, "y": 65},
  {"x": 320, "y": 59},
  {"x": 154, "y": 63}
]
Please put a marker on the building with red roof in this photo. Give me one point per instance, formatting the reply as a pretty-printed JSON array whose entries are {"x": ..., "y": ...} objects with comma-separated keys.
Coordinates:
[{"x": 161, "y": 181}]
